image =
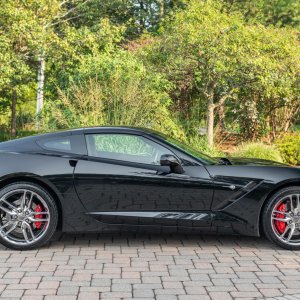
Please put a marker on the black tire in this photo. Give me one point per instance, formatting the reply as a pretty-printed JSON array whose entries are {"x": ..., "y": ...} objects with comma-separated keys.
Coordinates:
[
  {"x": 268, "y": 229},
  {"x": 52, "y": 210}
]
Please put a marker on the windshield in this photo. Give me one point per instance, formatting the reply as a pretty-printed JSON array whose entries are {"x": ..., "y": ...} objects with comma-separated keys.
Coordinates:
[{"x": 189, "y": 150}]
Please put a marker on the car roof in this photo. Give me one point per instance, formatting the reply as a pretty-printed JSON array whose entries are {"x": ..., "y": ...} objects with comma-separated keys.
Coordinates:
[
  {"x": 87, "y": 130},
  {"x": 95, "y": 129},
  {"x": 118, "y": 129},
  {"x": 31, "y": 143}
]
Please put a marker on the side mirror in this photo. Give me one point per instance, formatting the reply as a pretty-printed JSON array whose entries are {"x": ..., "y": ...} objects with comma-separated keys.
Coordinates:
[{"x": 172, "y": 162}]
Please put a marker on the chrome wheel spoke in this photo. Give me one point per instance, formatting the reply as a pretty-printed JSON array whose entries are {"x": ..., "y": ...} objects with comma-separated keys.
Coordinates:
[
  {"x": 291, "y": 233},
  {"x": 298, "y": 203},
  {"x": 6, "y": 224},
  {"x": 8, "y": 204},
  {"x": 6, "y": 210},
  {"x": 40, "y": 213},
  {"x": 12, "y": 228},
  {"x": 285, "y": 220},
  {"x": 281, "y": 212},
  {"x": 23, "y": 201},
  {"x": 30, "y": 230},
  {"x": 285, "y": 231},
  {"x": 25, "y": 234},
  {"x": 38, "y": 220},
  {"x": 292, "y": 203},
  {"x": 30, "y": 201},
  {"x": 45, "y": 215}
]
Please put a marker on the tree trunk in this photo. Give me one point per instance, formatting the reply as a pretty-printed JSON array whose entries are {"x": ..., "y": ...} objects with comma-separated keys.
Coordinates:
[
  {"x": 142, "y": 23},
  {"x": 210, "y": 122},
  {"x": 292, "y": 112},
  {"x": 161, "y": 9},
  {"x": 13, "y": 129},
  {"x": 221, "y": 113},
  {"x": 40, "y": 88},
  {"x": 272, "y": 125}
]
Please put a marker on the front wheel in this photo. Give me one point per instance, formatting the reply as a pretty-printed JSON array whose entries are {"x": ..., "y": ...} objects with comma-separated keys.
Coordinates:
[
  {"x": 28, "y": 216},
  {"x": 281, "y": 218}
]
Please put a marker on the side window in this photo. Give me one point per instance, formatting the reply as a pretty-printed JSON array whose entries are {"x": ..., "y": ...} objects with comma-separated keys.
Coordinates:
[
  {"x": 70, "y": 144},
  {"x": 58, "y": 144},
  {"x": 125, "y": 147}
]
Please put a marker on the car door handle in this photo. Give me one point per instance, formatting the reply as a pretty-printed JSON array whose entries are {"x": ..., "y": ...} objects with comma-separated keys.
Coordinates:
[
  {"x": 73, "y": 162},
  {"x": 231, "y": 187}
]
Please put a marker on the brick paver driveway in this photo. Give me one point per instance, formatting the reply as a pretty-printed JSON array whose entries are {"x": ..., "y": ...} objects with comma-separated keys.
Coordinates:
[{"x": 164, "y": 267}]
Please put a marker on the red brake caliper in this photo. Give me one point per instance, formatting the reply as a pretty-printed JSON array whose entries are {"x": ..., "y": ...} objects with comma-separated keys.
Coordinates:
[
  {"x": 280, "y": 225},
  {"x": 38, "y": 208}
]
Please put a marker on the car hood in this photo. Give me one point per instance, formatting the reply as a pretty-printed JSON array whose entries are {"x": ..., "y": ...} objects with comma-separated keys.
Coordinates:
[{"x": 239, "y": 161}]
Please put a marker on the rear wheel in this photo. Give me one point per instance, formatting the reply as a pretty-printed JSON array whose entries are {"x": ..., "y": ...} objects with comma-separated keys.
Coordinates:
[
  {"x": 28, "y": 216},
  {"x": 281, "y": 218}
]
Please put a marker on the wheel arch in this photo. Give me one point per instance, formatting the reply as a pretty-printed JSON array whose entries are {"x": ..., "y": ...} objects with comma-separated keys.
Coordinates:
[
  {"x": 38, "y": 181},
  {"x": 293, "y": 183}
]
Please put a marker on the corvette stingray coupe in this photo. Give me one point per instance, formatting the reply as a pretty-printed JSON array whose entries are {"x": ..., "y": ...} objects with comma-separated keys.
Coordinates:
[{"x": 123, "y": 178}]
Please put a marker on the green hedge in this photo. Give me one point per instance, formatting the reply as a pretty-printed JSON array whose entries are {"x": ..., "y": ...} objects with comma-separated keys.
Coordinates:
[
  {"x": 200, "y": 143},
  {"x": 289, "y": 147},
  {"x": 258, "y": 150}
]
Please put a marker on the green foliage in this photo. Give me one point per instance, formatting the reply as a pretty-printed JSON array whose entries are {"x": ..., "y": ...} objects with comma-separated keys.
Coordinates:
[
  {"x": 268, "y": 12},
  {"x": 139, "y": 16},
  {"x": 200, "y": 143},
  {"x": 289, "y": 147},
  {"x": 28, "y": 30},
  {"x": 155, "y": 63},
  {"x": 213, "y": 59},
  {"x": 76, "y": 54},
  {"x": 15, "y": 46},
  {"x": 116, "y": 91},
  {"x": 4, "y": 135},
  {"x": 258, "y": 150}
]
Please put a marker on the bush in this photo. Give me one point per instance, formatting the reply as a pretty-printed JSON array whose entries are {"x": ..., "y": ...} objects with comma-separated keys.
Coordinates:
[
  {"x": 289, "y": 147},
  {"x": 125, "y": 95},
  {"x": 200, "y": 143},
  {"x": 5, "y": 135},
  {"x": 258, "y": 150}
]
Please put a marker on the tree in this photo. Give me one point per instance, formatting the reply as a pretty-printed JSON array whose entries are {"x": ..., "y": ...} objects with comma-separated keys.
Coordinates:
[
  {"x": 271, "y": 102},
  {"x": 138, "y": 16},
  {"x": 114, "y": 90},
  {"x": 16, "y": 33},
  {"x": 213, "y": 59},
  {"x": 33, "y": 28},
  {"x": 198, "y": 51},
  {"x": 279, "y": 13},
  {"x": 222, "y": 62}
]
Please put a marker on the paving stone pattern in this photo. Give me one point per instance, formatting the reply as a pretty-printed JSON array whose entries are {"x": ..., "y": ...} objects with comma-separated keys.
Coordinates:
[{"x": 149, "y": 266}]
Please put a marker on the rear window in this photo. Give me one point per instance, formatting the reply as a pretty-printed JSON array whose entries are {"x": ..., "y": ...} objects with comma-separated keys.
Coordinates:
[
  {"x": 69, "y": 144},
  {"x": 62, "y": 144}
]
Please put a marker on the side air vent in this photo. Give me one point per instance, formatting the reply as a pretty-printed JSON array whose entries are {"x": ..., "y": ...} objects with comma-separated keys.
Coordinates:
[{"x": 243, "y": 191}]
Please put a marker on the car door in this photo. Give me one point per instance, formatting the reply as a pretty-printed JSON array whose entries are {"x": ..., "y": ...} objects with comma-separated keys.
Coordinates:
[{"x": 121, "y": 181}]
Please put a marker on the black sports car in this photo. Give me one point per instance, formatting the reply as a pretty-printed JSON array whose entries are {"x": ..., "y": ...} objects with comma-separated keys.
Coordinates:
[{"x": 96, "y": 179}]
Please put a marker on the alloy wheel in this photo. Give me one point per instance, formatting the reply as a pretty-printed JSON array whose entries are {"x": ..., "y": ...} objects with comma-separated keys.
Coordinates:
[
  {"x": 285, "y": 219},
  {"x": 24, "y": 217}
]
